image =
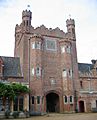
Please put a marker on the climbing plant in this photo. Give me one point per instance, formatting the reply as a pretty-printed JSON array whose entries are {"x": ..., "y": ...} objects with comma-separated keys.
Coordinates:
[{"x": 12, "y": 90}]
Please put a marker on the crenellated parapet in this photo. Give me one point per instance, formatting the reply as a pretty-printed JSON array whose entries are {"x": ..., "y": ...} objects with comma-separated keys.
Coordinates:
[
  {"x": 17, "y": 28},
  {"x": 26, "y": 13},
  {"x": 43, "y": 31},
  {"x": 70, "y": 22},
  {"x": 49, "y": 31},
  {"x": 26, "y": 27}
]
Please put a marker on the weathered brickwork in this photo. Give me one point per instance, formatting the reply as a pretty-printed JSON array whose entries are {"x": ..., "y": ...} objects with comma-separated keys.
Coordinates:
[{"x": 48, "y": 60}]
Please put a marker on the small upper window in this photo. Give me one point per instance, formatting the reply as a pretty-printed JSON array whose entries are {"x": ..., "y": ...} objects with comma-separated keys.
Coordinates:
[
  {"x": 68, "y": 49},
  {"x": 32, "y": 71},
  {"x": 62, "y": 49},
  {"x": 64, "y": 73},
  {"x": 70, "y": 73},
  {"x": 53, "y": 81},
  {"x": 38, "y": 45},
  {"x": 65, "y": 99},
  {"x": 38, "y": 71},
  {"x": 33, "y": 45}
]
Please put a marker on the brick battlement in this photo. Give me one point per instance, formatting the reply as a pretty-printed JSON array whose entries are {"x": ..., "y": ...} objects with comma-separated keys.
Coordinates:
[
  {"x": 26, "y": 13},
  {"x": 43, "y": 31}
]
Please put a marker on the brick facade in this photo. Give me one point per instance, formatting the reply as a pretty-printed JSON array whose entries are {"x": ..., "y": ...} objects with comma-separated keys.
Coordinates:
[{"x": 48, "y": 60}]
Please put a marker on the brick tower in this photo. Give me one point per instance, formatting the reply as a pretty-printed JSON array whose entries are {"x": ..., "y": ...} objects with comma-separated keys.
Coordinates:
[
  {"x": 22, "y": 42},
  {"x": 49, "y": 62},
  {"x": 70, "y": 23}
]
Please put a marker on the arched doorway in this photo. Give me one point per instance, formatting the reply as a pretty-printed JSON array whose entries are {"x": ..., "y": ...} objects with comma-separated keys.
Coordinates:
[
  {"x": 81, "y": 106},
  {"x": 52, "y": 102}
]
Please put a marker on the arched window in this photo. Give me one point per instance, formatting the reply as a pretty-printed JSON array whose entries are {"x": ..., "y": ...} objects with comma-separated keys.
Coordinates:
[
  {"x": 38, "y": 71},
  {"x": 70, "y": 73},
  {"x": 62, "y": 49},
  {"x": 64, "y": 73},
  {"x": 65, "y": 99},
  {"x": 71, "y": 99},
  {"x": 68, "y": 49},
  {"x": 32, "y": 71}
]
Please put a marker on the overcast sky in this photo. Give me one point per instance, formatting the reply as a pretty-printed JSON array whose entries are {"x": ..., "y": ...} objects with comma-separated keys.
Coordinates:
[{"x": 52, "y": 13}]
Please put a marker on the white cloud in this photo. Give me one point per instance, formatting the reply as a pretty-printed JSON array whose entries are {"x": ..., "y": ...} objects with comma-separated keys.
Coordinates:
[{"x": 53, "y": 14}]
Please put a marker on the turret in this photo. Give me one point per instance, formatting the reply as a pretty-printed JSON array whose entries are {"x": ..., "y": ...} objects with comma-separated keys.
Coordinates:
[
  {"x": 70, "y": 23},
  {"x": 26, "y": 18}
]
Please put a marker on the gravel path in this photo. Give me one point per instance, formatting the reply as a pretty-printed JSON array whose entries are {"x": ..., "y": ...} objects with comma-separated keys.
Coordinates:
[{"x": 78, "y": 116}]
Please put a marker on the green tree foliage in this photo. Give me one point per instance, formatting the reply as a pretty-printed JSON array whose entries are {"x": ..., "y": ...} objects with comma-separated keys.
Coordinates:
[
  {"x": 19, "y": 88},
  {"x": 12, "y": 90}
]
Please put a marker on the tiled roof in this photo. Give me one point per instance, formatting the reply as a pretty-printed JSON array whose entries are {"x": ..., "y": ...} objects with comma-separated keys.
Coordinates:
[
  {"x": 11, "y": 67},
  {"x": 84, "y": 67}
]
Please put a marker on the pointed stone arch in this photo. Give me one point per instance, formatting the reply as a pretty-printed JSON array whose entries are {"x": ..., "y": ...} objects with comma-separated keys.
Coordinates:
[{"x": 52, "y": 102}]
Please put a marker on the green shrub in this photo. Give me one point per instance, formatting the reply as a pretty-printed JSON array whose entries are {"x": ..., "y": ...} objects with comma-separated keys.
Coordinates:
[
  {"x": 15, "y": 114},
  {"x": 7, "y": 113}
]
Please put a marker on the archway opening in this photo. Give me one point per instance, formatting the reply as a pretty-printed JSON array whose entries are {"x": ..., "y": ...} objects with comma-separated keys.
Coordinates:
[
  {"x": 52, "y": 102},
  {"x": 81, "y": 106}
]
